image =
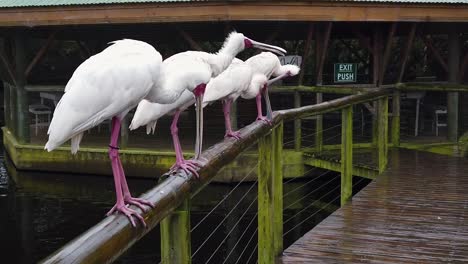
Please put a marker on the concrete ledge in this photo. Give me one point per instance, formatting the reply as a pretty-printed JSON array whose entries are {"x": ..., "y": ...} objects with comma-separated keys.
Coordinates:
[{"x": 136, "y": 162}]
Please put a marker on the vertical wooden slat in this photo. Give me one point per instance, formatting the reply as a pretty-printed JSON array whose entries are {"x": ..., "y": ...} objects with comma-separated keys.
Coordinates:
[
  {"x": 382, "y": 134},
  {"x": 175, "y": 236},
  {"x": 22, "y": 95},
  {"x": 307, "y": 45},
  {"x": 319, "y": 126},
  {"x": 6, "y": 103},
  {"x": 406, "y": 53},
  {"x": 386, "y": 56},
  {"x": 270, "y": 196},
  {"x": 396, "y": 118},
  {"x": 454, "y": 55},
  {"x": 297, "y": 123},
  {"x": 346, "y": 154}
]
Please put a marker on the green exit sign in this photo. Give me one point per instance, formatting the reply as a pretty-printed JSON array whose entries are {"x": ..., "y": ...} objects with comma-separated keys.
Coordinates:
[{"x": 345, "y": 72}]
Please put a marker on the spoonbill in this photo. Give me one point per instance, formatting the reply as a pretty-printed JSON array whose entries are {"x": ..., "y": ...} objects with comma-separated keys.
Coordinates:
[
  {"x": 109, "y": 84},
  {"x": 268, "y": 64},
  {"x": 231, "y": 82}
]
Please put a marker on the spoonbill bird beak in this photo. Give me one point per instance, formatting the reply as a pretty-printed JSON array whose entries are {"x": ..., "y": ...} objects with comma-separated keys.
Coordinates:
[
  {"x": 199, "y": 92},
  {"x": 269, "y": 113},
  {"x": 259, "y": 45}
]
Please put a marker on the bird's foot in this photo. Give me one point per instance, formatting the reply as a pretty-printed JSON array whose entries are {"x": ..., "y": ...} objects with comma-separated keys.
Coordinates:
[
  {"x": 140, "y": 203},
  {"x": 233, "y": 134},
  {"x": 189, "y": 166},
  {"x": 130, "y": 213},
  {"x": 265, "y": 119}
]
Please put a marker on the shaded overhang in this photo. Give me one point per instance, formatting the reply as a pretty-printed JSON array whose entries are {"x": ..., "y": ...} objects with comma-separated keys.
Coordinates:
[{"x": 170, "y": 12}]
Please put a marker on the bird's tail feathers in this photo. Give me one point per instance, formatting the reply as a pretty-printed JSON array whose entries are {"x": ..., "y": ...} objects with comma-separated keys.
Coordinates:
[
  {"x": 75, "y": 143},
  {"x": 151, "y": 127}
]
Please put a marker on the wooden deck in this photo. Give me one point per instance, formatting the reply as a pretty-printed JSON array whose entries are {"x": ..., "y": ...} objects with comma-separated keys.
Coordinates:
[{"x": 416, "y": 212}]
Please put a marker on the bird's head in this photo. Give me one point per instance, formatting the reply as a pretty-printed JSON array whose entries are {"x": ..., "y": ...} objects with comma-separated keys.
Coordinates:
[{"x": 237, "y": 42}]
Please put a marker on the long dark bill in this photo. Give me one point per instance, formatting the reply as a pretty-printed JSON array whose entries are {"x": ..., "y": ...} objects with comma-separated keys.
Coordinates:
[
  {"x": 199, "y": 138},
  {"x": 275, "y": 49}
]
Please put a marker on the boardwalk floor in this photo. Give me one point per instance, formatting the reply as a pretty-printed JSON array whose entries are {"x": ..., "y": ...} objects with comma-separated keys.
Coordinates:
[{"x": 416, "y": 212}]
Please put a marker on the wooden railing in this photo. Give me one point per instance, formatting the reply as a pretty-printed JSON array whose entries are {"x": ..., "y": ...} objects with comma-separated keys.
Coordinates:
[{"x": 108, "y": 239}]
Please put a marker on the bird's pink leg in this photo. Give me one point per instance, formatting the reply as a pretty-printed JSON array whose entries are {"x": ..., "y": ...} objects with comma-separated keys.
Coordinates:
[
  {"x": 128, "y": 199},
  {"x": 227, "y": 120},
  {"x": 189, "y": 166},
  {"x": 260, "y": 116},
  {"x": 114, "y": 156}
]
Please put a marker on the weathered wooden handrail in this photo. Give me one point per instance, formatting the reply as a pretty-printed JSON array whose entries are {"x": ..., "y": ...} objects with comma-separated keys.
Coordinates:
[{"x": 108, "y": 239}]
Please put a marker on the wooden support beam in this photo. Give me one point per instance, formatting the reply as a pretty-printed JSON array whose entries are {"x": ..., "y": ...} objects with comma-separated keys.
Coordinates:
[
  {"x": 6, "y": 104},
  {"x": 22, "y": 95},
  {"x": 387, "y": 52},
  {"x": 319, "y": 126},
  {"x": 297, "y": 123},
  {"x": 346, "y": 154},
  {"x": 396, "y": 99},
  {"x": 382, "y": 133},
  {"x": 409, "y": 44},
  {"x": 435, "y": 52},
  {"x": 323, "y": 52},
  {"x": 40, "y": 54},
  {"x": 376, "y": 58},
  {"x": 8, "y": 66},
  {"x": 85, "y": 53},
  {"x": 307, "y": 46},
  {"x": 464, "y": 68},
  {"x": 270, "y": 196},
  {"x": 175, "y": 236},
  {"x": 194, "y": 45},
  {"x": 454, "y": 50}
]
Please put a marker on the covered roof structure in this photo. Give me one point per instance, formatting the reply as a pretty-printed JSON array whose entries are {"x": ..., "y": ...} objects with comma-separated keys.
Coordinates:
[{"x": 51, "y": 12}]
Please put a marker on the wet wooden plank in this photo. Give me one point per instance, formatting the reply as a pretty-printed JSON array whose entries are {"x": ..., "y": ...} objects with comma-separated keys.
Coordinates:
[{"x": 416, "y": 212}]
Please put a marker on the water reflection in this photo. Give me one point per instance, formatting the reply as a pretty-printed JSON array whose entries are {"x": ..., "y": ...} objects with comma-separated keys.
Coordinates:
[{"x": 43, "y": 211}]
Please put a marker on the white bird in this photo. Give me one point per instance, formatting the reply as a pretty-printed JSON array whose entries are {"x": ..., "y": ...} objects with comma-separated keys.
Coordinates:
[
  {"x": 107, "y": 86},
  {"x": 268, "y": 64},
  {"x": 204, "y": 66},
  {"x": 111, "y": 83}
]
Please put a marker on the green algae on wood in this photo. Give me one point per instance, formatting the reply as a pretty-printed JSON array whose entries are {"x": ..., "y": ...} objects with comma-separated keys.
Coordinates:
[
  {"x": 346, "y": 154},
  {"x": 270, "y": 196},
  {"x": 175, "y": 236}
]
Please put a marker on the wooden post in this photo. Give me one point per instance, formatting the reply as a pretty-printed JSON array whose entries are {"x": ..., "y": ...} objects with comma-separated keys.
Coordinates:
[
  {"x": 396, "y": 118},
  {"x": 175, "y": 236},
  {"x": 346, "y": 154},
  {"x": 453, "y": 73},
  {"x": 13, "y": 114},
  {"x": 297, "y": 123},
  {"x": 307, "y": 45},
  {"x": 270, "y": 196},
  {"x": 319, "y": 126},
  {"x": 6, "y": 103},
  {"x": 382, "y": 133},
  {"x": 386, "y": 56},
  {"x": 409, "y": 44},
  {"x": 22, "y": 95}
]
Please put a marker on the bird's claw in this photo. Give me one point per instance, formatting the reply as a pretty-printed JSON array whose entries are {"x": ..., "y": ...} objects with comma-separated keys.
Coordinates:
[
  {"x": 189, "y": 166},
  {"x": 130, "y": 213},
  {"x": 265, "y": 119},
  {"x": 138, "y": 202},
  {"x": 233, "y": 134}
]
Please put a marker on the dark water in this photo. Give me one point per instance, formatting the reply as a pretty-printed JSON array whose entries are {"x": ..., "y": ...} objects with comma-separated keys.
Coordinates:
[{"x": 43, "y": 211}]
